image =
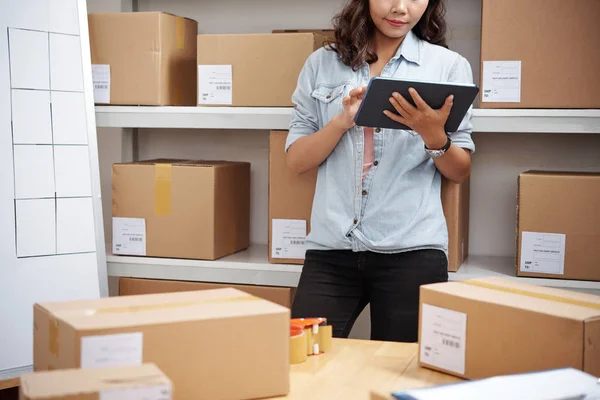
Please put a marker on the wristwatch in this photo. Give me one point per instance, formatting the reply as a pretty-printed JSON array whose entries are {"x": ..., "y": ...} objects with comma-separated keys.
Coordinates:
[{"x": 439, "y": 152}]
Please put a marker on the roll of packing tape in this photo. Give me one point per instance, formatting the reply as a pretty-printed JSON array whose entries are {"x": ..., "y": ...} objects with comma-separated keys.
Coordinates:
[
  {"x": 317, "y": 337},
  {"x": 298, "y": 341}
]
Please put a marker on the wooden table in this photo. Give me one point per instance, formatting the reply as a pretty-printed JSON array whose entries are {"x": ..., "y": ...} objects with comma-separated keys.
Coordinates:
[
  {"x": 356, "y": 370},
  {"x": 360, "y": 369}
]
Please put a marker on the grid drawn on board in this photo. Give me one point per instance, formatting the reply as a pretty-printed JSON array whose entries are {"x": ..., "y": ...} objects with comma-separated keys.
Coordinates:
[{"x": 52, "y": 175}]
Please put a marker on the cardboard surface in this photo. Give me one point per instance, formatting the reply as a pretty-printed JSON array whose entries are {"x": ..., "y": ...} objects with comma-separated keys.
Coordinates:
[
  {"x": 328, "y": 33},
  {"x": 191, "y": 209},
  {"x": 532, "y": 328},
  {"x": 265, "y": 67},
  {"x": 291, "y": 197},
  {"x": 559, "y": 67},
  {"x": 237, "y": 343},
  {"x": 562, "y": 203},
  {"x": 134, "y": 286},
  {"x": 152, "y": 57},
  {"x": 89, "y": 384}
]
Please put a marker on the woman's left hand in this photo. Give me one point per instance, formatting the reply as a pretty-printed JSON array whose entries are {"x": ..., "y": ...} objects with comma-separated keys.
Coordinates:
[{"x": 423, "y": 119}]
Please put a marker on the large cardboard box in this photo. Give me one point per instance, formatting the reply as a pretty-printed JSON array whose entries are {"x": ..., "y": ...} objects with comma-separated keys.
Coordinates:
[
  {"x": 212, "y": 344},
  {"x": 181, "y": 209},
  {"x": 134, "y": 286},
  {"x": 252, "y": 70},
  {"x": 143, "y": 58},
  {"x": 134, "y": 382},
  {"x": 493, "y": 326},
  {"x": 550, "y": 63},
  {"x": 558, "y": 225},
  {"x": 290, "y": 205}
]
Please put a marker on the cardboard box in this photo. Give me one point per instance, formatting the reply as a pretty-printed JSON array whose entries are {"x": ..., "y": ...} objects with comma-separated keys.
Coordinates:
[
  {"x": 97, "y": 384},
  {"x": 486, "y": 327},
  {"x": 181, "y": 209},
  {"x": 558, "y": 225},
  {"x": 558, "y": 67},
  {"x": 253, "y": 70},
  {"x": 212, "y": 344},
  {"x": 328, "y": 33},
  {"x": 133, "y": 286},
  {"x": 291, "y": 198},
  {"x": 151, "y": 58}
]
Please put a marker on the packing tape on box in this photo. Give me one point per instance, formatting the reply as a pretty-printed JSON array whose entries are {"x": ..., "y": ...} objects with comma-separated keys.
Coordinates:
[
  {"x": 180, "y": 32},
  {"x": 543, "y": 296},
  {"x": 162, "y": 189},
  {"x": 53, "y": 345},
  {"x": 53, "y": 332}
]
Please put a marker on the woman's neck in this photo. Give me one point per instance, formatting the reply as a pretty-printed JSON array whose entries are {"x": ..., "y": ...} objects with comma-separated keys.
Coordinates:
[{"x": 386, "y": 47}]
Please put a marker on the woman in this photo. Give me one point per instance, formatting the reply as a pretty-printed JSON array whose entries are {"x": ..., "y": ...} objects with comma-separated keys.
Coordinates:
[{"x": 378, "y": 230}]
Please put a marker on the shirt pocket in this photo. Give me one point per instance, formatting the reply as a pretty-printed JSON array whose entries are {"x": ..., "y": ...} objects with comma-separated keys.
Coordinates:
[{"x": 329, "y": 99}]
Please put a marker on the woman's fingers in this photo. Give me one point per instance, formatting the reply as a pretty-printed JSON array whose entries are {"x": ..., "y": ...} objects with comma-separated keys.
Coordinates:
[
  {"x": 395, "y": 117},
  {"x": 358, "y": 93},
  {"x": 399, "y": 107}
]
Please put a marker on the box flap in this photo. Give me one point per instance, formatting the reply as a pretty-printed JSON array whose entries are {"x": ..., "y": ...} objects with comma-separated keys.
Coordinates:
[
  {"x": 130, "y": 311},
  {"x": 556, "y": 302},
  {"x": 181, "y": 163},
  {"x": 68, "y": 382}
]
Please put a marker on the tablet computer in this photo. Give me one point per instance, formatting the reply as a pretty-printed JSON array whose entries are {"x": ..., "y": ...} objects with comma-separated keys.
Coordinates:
[{"x": 376, "y": 100}]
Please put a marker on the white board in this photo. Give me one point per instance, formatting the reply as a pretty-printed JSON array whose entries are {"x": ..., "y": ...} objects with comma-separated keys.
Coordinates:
[{"x": 51, "y": 232}]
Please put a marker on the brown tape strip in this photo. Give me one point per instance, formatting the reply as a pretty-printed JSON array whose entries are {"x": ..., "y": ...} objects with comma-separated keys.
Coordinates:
[
  {"x": 149, "y": 307},
  {"x": 528, "y": 293},
  {"x": 180, "y": 32},
  {"x": 53, "y": 346},
  {"x": 162, "y": 189}
]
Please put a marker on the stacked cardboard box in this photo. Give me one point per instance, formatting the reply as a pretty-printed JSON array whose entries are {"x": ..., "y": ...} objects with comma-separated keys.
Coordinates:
[
  {"x": 133, "y": 382},
  {"x": 550, "y": 63},
  {"x": 486, "y": 327},
  {"x": 132, "y": 286},
  {"x": 212, "y": 344},
  {"x": 558, "y": 225},
  {"x": 143, "y": 58},
  {"x": 252, "y": 70},
  {"x": 181, "y": 209},
  {"x": 290, "y": 204},
  {"x": 328, "y": 33}
]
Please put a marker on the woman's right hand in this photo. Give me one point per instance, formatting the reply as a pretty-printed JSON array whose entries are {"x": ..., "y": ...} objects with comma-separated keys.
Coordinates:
[{"x": 351, "y": 105}]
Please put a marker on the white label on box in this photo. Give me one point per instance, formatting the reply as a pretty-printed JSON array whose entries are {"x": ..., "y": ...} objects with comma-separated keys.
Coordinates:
[
  {"x": 129, "y": 236},
  {"x": 215, "y": 84},
  {"x": 118, "y": 350},
  {"x": 443, "y": 338},
  {"x": 501, "y": 82},
  {"x": 162, "y": 392},
  {"x": 101, "y": 79},
  {"x": 543, "y": 252},
  {"x": 288, "y": 238}
]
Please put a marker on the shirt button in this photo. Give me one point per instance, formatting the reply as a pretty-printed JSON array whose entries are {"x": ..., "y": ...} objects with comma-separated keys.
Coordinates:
[
  {"x": 378, "y": 130},
  {"x": 328, "y": 97},
  {"x": 355, "y": 221},
  {"x": 364, "y": 192},
  {"x": 375, "y": 163}
]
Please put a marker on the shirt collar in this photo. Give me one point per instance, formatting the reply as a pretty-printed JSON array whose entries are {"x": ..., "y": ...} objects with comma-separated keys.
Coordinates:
[{"x": 410, "y": 48}]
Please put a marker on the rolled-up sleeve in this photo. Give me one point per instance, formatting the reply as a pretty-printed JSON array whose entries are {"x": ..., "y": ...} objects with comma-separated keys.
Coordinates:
[
  {"x": 305, "y": 120},
  {"x": 462, "y": 73}
]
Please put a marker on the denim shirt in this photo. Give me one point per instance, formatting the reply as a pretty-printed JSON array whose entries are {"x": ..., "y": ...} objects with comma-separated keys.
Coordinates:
[{"x": 398, "y": 205}]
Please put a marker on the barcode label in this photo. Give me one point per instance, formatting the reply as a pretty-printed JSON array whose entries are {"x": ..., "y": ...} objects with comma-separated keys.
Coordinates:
[
  {"x": 451, "y": 343},
  {"x": 101, "y": 81},
  {"x": 136, "y": 239},
  {"x": 129, "y": 236},
  {"x": 223, "y": 87},
  {"x": 215, "y": 84},
  {"x": 443, "y": 338},
  {"x": 298, "y": 242}
]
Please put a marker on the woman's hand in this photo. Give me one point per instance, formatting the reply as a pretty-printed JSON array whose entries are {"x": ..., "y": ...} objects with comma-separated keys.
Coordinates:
[
  {"x": 424, "y": 120},
  {"x": 351, "y": 105}
]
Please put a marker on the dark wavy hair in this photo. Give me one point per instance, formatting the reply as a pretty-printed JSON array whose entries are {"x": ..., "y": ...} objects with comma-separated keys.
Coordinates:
[{"x": 354, "y": 31}]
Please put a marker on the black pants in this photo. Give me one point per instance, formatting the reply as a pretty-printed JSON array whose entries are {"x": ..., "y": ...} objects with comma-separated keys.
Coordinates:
[{"x": 338, "y": 284}]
